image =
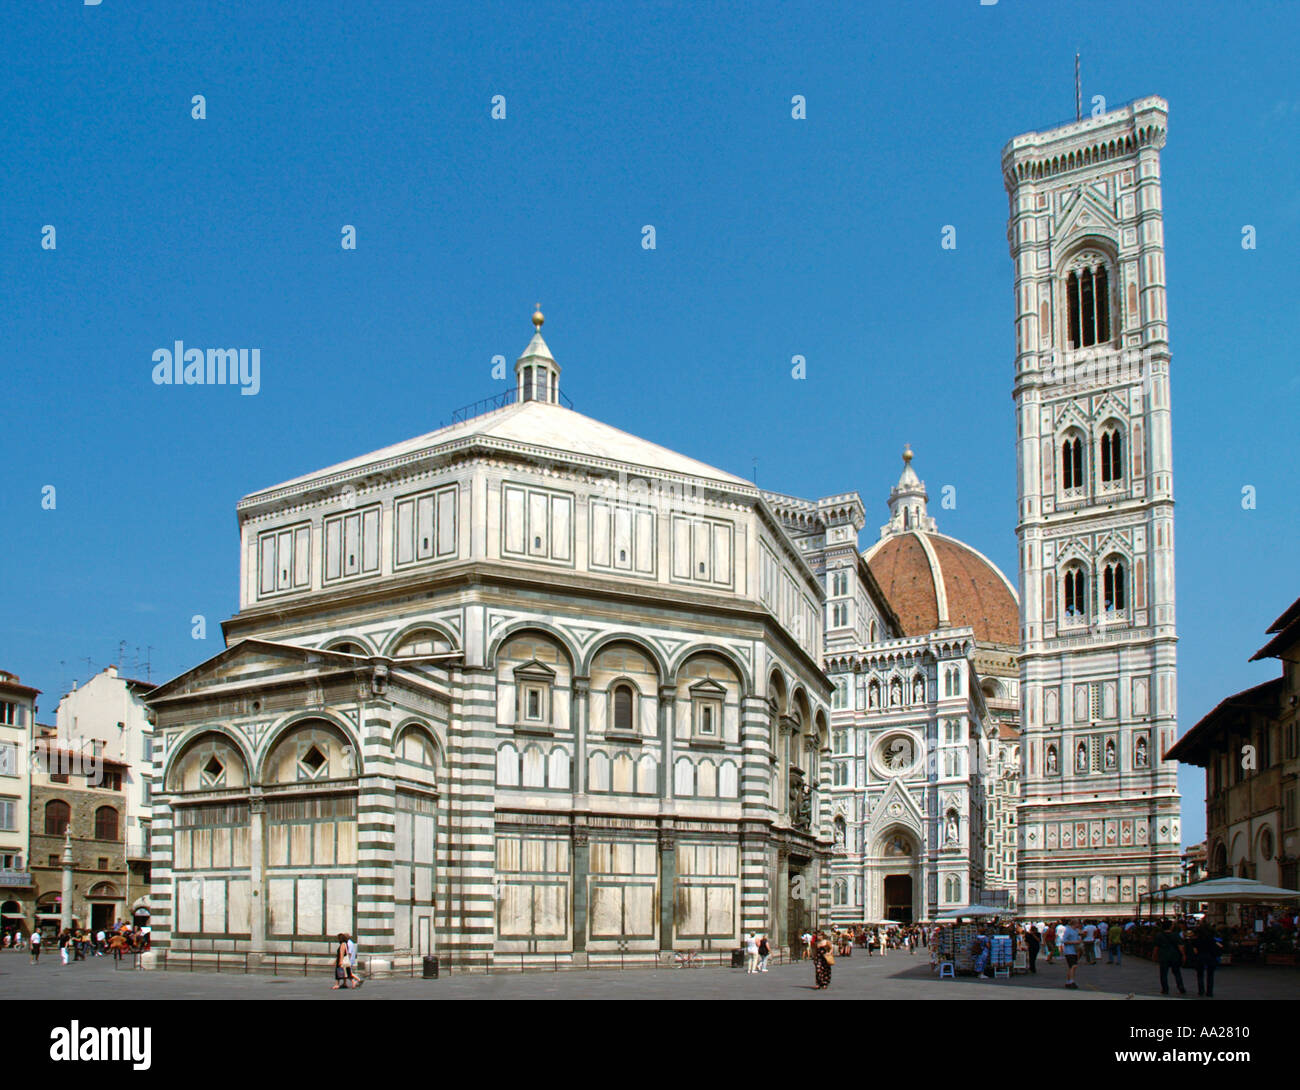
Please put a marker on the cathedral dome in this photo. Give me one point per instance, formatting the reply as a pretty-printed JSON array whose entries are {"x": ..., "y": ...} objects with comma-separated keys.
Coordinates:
[{"x": 935, "y": 581}]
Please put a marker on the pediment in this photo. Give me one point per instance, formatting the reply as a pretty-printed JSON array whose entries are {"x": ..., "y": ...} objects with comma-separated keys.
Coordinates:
[
  {"x": 535, "y": 668},
  {"x": 895, "y": 807},
  {"x": 252, "y": 661},
  {"x": 1087, "y": 214}
]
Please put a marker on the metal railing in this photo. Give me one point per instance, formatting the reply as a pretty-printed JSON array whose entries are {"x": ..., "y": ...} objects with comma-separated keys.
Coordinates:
[{"x": 411, "y": 966}]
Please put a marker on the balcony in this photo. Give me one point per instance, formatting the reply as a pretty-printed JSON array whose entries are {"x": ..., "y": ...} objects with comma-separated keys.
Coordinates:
[{"x": 15, "y": 879}]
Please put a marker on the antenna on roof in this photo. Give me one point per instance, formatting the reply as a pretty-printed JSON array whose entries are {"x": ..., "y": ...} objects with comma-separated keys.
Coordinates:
[{"x": 1078, "y": 93}]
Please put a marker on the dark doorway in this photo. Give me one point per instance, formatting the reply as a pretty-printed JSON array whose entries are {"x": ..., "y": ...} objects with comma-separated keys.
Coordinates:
[
  {"x": 798, "y": 918},
  {"x": 101, "y": 917},
  {"x": 898, "y": 897}
]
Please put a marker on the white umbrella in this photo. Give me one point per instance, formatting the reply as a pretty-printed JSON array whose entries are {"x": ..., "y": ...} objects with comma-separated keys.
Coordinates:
[
  {"x": 972, "y": 910},
  {"x": 1234, "y": 890}
]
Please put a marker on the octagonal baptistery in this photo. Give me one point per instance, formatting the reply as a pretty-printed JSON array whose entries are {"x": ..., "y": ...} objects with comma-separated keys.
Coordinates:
[{"x": 524, "y": 688}]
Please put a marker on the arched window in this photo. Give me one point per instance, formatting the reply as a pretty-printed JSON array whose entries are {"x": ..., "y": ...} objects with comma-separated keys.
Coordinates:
[
  {"x": 1072, "y": 462},
  {"x": 1074, "y": 591},
  {"x": 1114, "y": 592},
  {"x": 57, "y": 816},
  {"x": 1087, "y": 296},
  {"x": 952, "y": 889},
  {"x": 1112, "y": 456},
  {"x": 105, "y": 823},
  {"x": 623, "y": 709}
]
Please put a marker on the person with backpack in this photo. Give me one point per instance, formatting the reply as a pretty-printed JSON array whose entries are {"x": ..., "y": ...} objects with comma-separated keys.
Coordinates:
[{"x": 764, "y": 952}]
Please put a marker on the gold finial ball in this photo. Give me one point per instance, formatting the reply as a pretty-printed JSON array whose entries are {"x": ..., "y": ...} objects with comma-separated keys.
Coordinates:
[
  {"x": 538, "y": 318},
  {"x": 907, "y": 452}
]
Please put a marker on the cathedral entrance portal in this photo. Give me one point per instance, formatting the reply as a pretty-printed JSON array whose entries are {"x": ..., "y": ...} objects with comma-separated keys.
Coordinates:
[
  {"x": 798, "y": 917},
  {"x": 898, "y": 897}
]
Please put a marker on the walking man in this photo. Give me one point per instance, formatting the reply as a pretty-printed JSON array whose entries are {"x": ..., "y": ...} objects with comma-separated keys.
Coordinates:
[
  {"x": 764, "y": 952},
  {"x": 1170, "y": 955},
  {"x": 1089, "y": 939},
  {"x": 1070, "y": 948},
  {"x": 1032, "y": 944},
  {"x": 36, "y": 945},
  {"x": 1113, "y": 939}
]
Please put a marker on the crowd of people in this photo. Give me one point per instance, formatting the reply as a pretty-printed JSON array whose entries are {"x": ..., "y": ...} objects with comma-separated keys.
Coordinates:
[
  {"x": 78, "y": 944},
  {"x": 1174, "y": 944}
]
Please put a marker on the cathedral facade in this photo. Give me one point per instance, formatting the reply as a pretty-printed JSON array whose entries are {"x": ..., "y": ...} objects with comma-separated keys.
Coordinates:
[{"x": 1099, "y": 817}]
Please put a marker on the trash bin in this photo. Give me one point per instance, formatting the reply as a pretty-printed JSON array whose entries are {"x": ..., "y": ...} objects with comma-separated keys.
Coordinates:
[
  {"x": 430, "y": 968},
  {"x": 738, "y": 958}
]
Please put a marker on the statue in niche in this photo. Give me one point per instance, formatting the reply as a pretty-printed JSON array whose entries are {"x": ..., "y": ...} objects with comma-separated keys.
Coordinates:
[
  {"x": 803, "y": 816},
  {"x": 1051, "y": 760},
  {"x": 873, "y": 694},
  {"x": 1110, "y": 753},
  {"x": 1081, "y": 758},
  {"x": 1140, "y": 753},
  {"x": 839, "y": 834},
  {"x": 950, "y": 831},
  {"x": 918, "y": 691},
  {"x": 895, "y": 692}
]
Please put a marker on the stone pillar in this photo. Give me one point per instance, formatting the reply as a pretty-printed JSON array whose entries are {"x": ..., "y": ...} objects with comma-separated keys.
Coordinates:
[
  {"x": 578, "y": 710},
  {"x": 65, "y": 907},
  {"x": 376, "y": 830},
  {"x": 581, "y": 868},
  {"x": 257, "y": 872},
  {"x": 667, "y": 726},
  {"x": 467, "y": 922},
  {"x": 782, "y": 897},
  {"x": 667, "y": 887}
]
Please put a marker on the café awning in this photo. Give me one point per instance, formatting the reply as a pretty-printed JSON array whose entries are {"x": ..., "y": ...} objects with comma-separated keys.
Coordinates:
[{"x": 1229, "y": 890}]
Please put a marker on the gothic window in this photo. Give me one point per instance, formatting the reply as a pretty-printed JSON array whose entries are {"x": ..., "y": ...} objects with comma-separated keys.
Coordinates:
[
  {"x": 1074, "y": 589},
  {"x": 1072, "y": 463},
  {"x": 1114, "y": 592},
  {"x": 1112, "y": 462},
  {"x": 840, "y": 695},
  {"x": 57, "y": 816},
  {"x": 952, "y": 889},
  {"x": 841, "y": 895},
  {"x": 1087, "y": 296}
]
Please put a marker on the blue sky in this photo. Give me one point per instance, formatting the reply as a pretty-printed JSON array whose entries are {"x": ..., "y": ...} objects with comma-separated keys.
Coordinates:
[{"x": 775, "y": 238}]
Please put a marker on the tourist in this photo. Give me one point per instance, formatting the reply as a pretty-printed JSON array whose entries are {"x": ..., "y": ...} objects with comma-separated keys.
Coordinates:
[
  {"x": 1089, "y": 941},
  {"x": 1170, "y": 956},
  {"x": 806, "y": 941},
  {"x": 36, "y": 946},
  {"x": 1203, "y": 953},
  {"x": 1069, "y": 942},
  {"x": 1113, "y": 939},
  {"x": 764, "y": 952},
  {"x": 341, "y": 964},
  {"x": 823, "y": 958},
  {"x": 65, "y": 937},
  {"x": 1032, "y": 945},
  {"x": 751, "y": 953},
  {"x": 117, "y": 944},
  {"x": 1049, "y": 935}
]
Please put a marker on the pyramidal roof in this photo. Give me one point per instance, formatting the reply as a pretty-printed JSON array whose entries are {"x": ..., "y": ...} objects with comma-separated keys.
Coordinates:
[{"x": 538, "y": 426}]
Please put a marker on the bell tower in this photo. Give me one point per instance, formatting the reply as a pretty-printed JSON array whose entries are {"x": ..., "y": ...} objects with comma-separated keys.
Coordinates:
[{"x": 1099, "y": 813}]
